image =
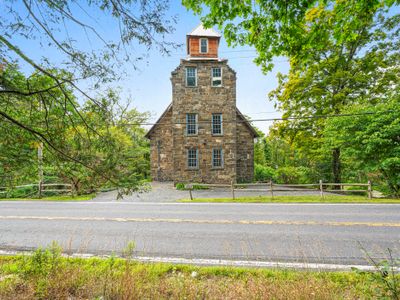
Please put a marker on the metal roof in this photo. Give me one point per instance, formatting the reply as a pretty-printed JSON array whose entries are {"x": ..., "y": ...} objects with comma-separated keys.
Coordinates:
[{"x": 201, "y": 31}]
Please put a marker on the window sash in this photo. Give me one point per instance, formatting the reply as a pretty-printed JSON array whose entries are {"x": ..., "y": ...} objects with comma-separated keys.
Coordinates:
[
  {"x": 193, "y": 158},
  {"x": 216, "y": 124},
  {"x": 203, "y": 45},
  {"x": 191, "y": 124},
  {"x": 191, "y": 76},
  {"x": 216, "y": 77},
  {"x": 217, "y": 158}
]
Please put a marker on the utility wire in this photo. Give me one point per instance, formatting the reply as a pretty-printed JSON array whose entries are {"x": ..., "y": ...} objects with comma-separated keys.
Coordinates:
[{"x": 262, "y": 120}]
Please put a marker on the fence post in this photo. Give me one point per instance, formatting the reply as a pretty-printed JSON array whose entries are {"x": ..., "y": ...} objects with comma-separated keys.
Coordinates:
[
  {"x": 369, "y": 189},
  {"x": 40, "y": 189},
  {"x": 271, "y": 185},
  {"x": 233, "y": 190},
  {"x": 321, "y": 188}
]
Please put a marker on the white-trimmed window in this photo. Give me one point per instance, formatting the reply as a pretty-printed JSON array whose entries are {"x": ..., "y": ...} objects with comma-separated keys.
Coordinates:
[
  {"x": 216, "y": 124},
  {"x": 203, "y": 45},
  {"x": 191, "y": 124},
  {"x": 217, "y": 158},
  {"x": 216, "y": 77},
  {"x": 191, "y": 76},
  {"x": 193, "y": 158}
]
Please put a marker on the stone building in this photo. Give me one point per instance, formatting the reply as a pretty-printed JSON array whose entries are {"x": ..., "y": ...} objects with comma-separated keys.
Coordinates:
[{"x": 202, "y": 136}]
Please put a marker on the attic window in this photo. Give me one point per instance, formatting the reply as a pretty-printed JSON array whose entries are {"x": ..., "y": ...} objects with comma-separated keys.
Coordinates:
[{"x": 203, "y": 45}]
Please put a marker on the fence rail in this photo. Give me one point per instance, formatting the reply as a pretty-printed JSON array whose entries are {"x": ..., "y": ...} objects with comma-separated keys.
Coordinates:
[
  {"x": 271, "y": 187},
  {"x": 42, "y": 188}
]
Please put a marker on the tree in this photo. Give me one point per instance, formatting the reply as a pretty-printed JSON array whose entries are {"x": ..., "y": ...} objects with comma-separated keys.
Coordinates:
[
  {"x": 371, "y": 140},
  {"x": 51, "y": 84},
  {"x": 339, "y": 51}
]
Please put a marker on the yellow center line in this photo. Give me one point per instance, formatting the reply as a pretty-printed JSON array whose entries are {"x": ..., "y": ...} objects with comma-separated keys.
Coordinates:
[{"x": 204, "y": 221}]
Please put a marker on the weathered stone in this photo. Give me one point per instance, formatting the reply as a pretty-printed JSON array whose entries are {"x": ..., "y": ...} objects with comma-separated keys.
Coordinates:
[{"x": 168, "y": 139}]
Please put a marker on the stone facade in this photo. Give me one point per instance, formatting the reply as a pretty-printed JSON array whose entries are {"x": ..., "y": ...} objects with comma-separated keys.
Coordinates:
[{"x": 170, "y": 142}]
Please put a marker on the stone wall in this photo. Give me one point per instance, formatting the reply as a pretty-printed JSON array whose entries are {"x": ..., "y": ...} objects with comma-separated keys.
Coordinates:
[
  {"x": 169, "y": 142},
  {"x": 161, "y": 149},
  {"x": 245, "y": 153},
  {"x": 204, "y": 100}
]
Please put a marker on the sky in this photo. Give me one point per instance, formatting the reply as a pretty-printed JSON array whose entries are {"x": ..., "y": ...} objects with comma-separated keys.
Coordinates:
[{"x": 149, "y": 86}]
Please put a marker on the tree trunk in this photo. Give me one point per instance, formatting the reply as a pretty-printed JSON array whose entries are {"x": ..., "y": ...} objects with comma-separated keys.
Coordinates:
[{"x": 336, "y": 167}]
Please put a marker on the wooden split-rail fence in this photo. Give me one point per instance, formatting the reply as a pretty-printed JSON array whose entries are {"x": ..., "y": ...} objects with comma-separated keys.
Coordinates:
[
  {"x": 42, "y": 188},
  {"x": 268, "y": 188}
]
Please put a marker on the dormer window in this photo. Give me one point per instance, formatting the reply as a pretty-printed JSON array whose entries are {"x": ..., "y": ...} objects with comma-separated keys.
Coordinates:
[{"x": 203, "y": 45}]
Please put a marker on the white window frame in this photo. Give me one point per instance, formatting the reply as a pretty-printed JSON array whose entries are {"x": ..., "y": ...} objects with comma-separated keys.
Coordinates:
[
  {"x": 188, "y": 158},
  {"x": 221, "y": 123},
  {"x": 195, "y": 76},
  {"x": 200, "y": 48},
  {"x": 196, "y": 124},
  {"x": 221, "y": 158},
  {"x": 215, "y": 77}
]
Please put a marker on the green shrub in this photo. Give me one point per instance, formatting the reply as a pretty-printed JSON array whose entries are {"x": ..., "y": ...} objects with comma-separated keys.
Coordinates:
[
  {"x": 23, "y": 192},
  {"x": 182, "y": 187},
  {"x": 294, "y": 175},
  {"x": 264, "y": 173}
]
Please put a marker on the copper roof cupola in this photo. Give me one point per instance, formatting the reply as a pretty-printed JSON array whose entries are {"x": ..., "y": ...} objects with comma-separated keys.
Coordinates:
[{"x": 202, "y": 43}]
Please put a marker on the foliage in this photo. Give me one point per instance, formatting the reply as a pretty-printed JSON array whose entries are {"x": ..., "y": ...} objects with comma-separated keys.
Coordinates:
[
  {"x": 182, "y": 187},
  {"x": 42, "y": 71},
  {"x": 264, "y": 173},
  {"x": 89, "y": 145},
  {"x": 371, "y": 139},
  {"x": 47, "y": 275},
  {"x": 340, "y": 52}
]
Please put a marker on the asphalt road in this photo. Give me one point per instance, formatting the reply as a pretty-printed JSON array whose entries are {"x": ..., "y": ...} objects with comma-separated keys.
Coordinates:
[{"x": 334, "y": 233}]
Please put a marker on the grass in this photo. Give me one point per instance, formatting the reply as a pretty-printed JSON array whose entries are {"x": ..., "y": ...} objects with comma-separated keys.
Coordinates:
[
  {"x": 295, "y": 199},
  {"x": 53, "y": 198},
  {"x": 47, "y": 275}
]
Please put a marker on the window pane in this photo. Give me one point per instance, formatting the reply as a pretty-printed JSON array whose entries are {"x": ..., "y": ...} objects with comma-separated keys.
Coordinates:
[
  {"x": 192, "y": 158},
  {"x": 203, "y": 45},
  {"x": 217, "y": 124},
  {"x": 217, "y": 82},
  {"x": 216, "y": 72},
  {"x": 191, "y": 76},
  {"x": 217, "y": 159},
  {"x": 216, "y": 77},
  {"x": 191, "y": 124}
]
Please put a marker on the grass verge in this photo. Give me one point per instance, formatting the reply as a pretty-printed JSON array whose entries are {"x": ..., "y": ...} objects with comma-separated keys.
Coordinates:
[
  {"x": 47, "y": 275},
  {"x": 53, "y": 198},
  {"x": 295, "y": 199}
]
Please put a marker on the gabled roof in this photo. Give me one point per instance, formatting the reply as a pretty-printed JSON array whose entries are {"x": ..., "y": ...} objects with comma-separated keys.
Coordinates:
[
  {"x": 147, "y": 135},
  {"x": 241, "y": 116},
  {"x": 201, "y": 31},
  {"x": 247, "y": 123}
]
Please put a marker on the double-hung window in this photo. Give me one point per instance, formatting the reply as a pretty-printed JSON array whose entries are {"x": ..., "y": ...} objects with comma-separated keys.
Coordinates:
[
  {"x": 203, "y": 45},
  {"x": 193, "y": 158},
  {"x": 217, "y": 158},
  {"x": 216, "y": 77},
  {"x": 216, "y": 124},
  {"x": 191, "y": 124},
  {"x": 191, "y": 76}
]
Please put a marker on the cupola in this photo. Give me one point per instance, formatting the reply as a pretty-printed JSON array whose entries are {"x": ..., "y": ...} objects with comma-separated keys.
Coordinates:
[{"x": 202, "y": 43}]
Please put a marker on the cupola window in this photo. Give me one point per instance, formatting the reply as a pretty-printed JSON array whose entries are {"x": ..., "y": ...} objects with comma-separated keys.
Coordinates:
[{"x": 203, "y": 45}]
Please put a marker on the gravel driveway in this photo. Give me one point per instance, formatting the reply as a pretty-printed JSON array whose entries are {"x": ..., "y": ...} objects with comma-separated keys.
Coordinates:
[{"x": 166, "y": 192}]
